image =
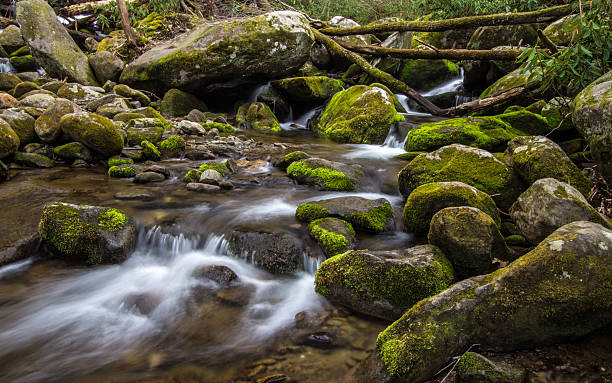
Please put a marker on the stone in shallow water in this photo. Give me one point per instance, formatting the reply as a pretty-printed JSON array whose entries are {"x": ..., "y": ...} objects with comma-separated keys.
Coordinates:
[
  {"x": 327, "y": 175},
  {"x": 202, "y": 188}
]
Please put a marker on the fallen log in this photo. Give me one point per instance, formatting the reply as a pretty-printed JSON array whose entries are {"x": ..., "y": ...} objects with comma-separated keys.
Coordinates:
[
  {"x": 449, "y": 54},
  {"x": 91, "y": 7},
  {"x": 542, "y": 15}
]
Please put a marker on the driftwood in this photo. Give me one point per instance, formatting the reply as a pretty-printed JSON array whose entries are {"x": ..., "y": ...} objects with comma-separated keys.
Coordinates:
[
  {"x": 542, "y": 15},
  {"x": 449, "y": 54},
  {"x": 90, "y": 7}
]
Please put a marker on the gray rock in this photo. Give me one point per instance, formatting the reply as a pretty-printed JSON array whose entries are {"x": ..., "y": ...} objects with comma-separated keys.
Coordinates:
[
  {"x": 202, "y": 188},
  {"x": 22, "y": 249},
  {"x": 106, "y": 66},
  {"x": 73, "y": 151},
  {"x": 11, "y": 39},
  {"x": 39, "y": 101},
  {"x": 146, "y": 177},
  {"x": 95, "y": 104},
  {"x": 33, "y": 160},
  {"x": 277, "y": 253},
  {"x": 22, "y": 124},
  {"x": 47, "y": 126},
  {"x": 549, "y": 204},
  {"x": 9, "y": 140},
  {"x": 191, "y": 128},
  {"x": 211, "y": 177},
  {"x": 222, "y": 275}
]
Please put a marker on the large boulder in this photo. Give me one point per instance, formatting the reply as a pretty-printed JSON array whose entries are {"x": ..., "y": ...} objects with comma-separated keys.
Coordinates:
[
  {"x": 512, "y": 80},
  {"x": 87, "y": 234},
  {"x": 22, "y": 124},
  {"x": 593, "y": 119},
  {"x": 558, "y": 292},
  {"x": 549, "y": 204},
  {"x": 313, "y": 89},
  {"x": 230, "y": 51},
  {"x": 373, "y": 215},
  {"x": 562, "y": 31},
  {"x": 469, "y": 238},
  {"x": 177, "y": 103},
  {"x": 50, "y": 43},
  {"x": 106, "y": 66},
  {"x": 384, "y": 284},
  {"x": 326, "y": 175},
  {"x": 258, "y": 116},
  {"x": 96, "y": 132},
  {"x": 47, "y": 126},
  {"x": 11, "y": 39},
  {"x": 536, "y": 157},
  {"x": 490, "y": 37},
  {"x": 426, "y": 200},
  {"x": 277, "y": 253},
  {"x": 475, "y": 167},
  {"x": 361, "y": 115},
  {"x": 425, "y": 74},
  {"x": 9, "y": 140}
]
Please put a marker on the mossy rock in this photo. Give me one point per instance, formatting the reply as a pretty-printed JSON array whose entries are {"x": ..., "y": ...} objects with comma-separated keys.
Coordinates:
[
  {"x": 475, "y": 368},
  {"x": 141, "y": 129},
  {"x": 150, "y": 112},
  {"x": 150, "y": 151},
  {"x": 177, "y": 103},
  {"x": 33, "y": 160},
  {"x": 258, "y": 116},
  {"x": 75, "y": 92},
  {"x": 192, "y": 176},
  {"x": 426, "y": 200},
  {"x": 220, "y": 167},
  {"x": 290, "y": 158},
  {"x": 558, "y": 114},
  {"x": 363, "y": 214},
  {"x": 512, "y": 80},
  {"x": 122, "y": 171},
  {"x": 96, "y": 132},
  {"x": 11, "y": 40},
  {"x": 475, "y": 167},
  {"x": 8, "y": 81},
  {"x": 525, "y": 122},
  {"x": 73, "y": 151},
  {"x": 549, "y": 204},
  {"x": 538, "y": 157},
  {"x": 23, "y": 88},
  {"x": 22, "y": 124},
  {"x": 384, "y": 284},
  {"x": 24, "y": 63},
  {"x": 172, "y": 146},
  {"x": 220, "y": 126},
  {"x": 539, "y": 299},
  {"x": 127, "y": 116},
  {"x": 361, "y": 115},
  {"x": 113, "y": 108},
  {"x": 117, "y": 161},
  {"x": 408, "y": 156},
  {"x": 335, "y": 236},
  {"x": 9, "y": 140},
  {"x": 562, "y": 31},
  {"x": 489, "y": 37},
  {"x": 312, "y": 89},
  {"x": 136, "y": 95},
  {"x": 47, "y": 126},
  {"x": 469, "y": 238},
  {"x": 326, "y": 175},
  {"x": 489, "y": 133},
  {"x": 425, "y": 74}
]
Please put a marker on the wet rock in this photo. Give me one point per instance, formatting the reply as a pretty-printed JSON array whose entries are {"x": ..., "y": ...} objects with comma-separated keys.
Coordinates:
[
  {"x": 141, "y": 303},
  {"x": 202, "y": 188},
  {"x": 258, "y": 116},
  {"x": 469, "y": 238},
  {"x": 88, "y": 234},
  {"x": 22, "y": 124},
  {"x": 384, "y": 284},
  {"x": 177, "y": 103},
  {"x": 319, "y": 340},
  {"x": 277, "y": 253},
  {"x": 427, "y": 74},
  {"x": 106, "y": 66},
  {"x": 96, "y": 132},
  {"x": 235, "y": 296},
  {"x": 538, "y": 157},
  {"x": 141, "y": 129},
  {"x": 360, "y": 115},
  {"x": 39, "y": 101},
  {"x": 143, "y": 196},
  {"x": 8, "y": 81},
  {"x": 191, "y": 128},
  {"x": 150, "y": 151},
  {"x": 11, "y": 39},
  {"x": 147, "y": 177},
  {"x": 308, "y": 319},
  {"x": 290, "y": 158},
  {"x": 211, "y": 177},
  {"x": 222, "y": 275},
  {"x": 270, "y": 45},
  {"x": 122, "y": 171},
  {"x": 24, "y": 248},
  {"x": 127, "y": 92},
  {"x": 92, "y": 106},
  {"x": 9, "y": 140},
  {"x": 313, "y": 89},
  {"x": 475, "y": 167},
  {"x": 549, "y": 204},
  {"x": 334, "y": 235},
  {"x": 50, "y": 43},
  {"x": 541, "y": 298},
  {"x": 475, "y": 368},
  {"x": 326, "y": 175},
  {"x": 592, "y": 116},
  {"x": 426, "y": 200},
  {"x": 33, "y": 160},
  {"x": 511, "y": 80},
  {"x": 364, "y": 214},
  {"x": 47, "y": 126}
]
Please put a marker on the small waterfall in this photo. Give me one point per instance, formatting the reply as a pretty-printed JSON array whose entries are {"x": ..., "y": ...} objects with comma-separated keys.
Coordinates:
[
  {"x": 453, "y": 85},
  {"x": 257, "y": 91},
  {"x": 6, "y": 66},
  {"x": 462, "y": 99},
  {"x": 301, "y": 122}
]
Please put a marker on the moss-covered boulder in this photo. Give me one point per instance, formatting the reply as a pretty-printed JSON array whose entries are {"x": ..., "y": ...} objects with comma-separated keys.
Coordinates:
[
  {"x": 425, "y": 74},
  {"x": 47, "y": 126},
  {"x": 24, "y": 63},
  {"x": 525, "y": 122},
  {"x": 231, "y": 51},
  {"x": 361, "y": 115},
  {"x": 549, "y": 204},
  {"x": 77, "y": 92},
  {"x": 426, "y": 200},
  {"x": 106, "y": 66},
  {"x": 335, "y": 236},
  {"x": 489, "y": 133},
  {"x": 469, "y": 238},
  {"x": 50, "y": 43},
  {"x": 326, "y": 175},
  {"x": 173, "y": 146},
  {"x": 140, "y": 129},
  {"x": 475, "y": 368},
  {"x": 562, "y": 31},
  {"x": 290, "y": 158},
  {"x": 114, "y": 107},
  {"x": 535, "y": 157},
  {"x": 277, "y": 253},
  {"x": 9, "y": 140},
  {"x": 22, "y": 124},
  {"x": 133, "y": 94},
  {"x": 24, "y": 87},
  {"x": 313, "y": 89},
  {"x": 177, "y": 103},
  {"x": 371, "y": 215},
  {"x": 87, "y": 234},
  {"x": 11, "y": 39},
  {"x": 8, "y": 81},
  {"x": 220, "y": 167},
  {"x": 512, "y": 80},
  {"x": 73, "y": 151},
  {"x": 384, "y": 284},
  {"x": 37, "y": 101},
  {"x": 33, "y": 160},
  {"x": 258, "y": 116},
  {"x": 150, "y": 151},
  {"x": 96, "y": 132},
  {"x": 127, "y": 116},
  {"x": 490, "y": 37},
  {"x": 539, "y": 299},
  {"x": 475, "y": 167},
  {"x": 593, "y": 119},
  {"x": 122, "y": 171}
]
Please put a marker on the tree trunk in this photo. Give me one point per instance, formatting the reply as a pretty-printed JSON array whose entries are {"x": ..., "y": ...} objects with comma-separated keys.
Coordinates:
[
  {"x": 547, "y": 14},
  {"x": 132, "y": 37},
  {"x": 449, "y": 54}
]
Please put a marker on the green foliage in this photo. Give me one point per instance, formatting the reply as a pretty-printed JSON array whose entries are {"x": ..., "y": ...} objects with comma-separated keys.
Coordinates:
[
  {"x": 108, "y": 17},
  {"x": 362, "y": 11},
  {"x": 441, "y": 9},
  {"x": 585, "y": 59}
]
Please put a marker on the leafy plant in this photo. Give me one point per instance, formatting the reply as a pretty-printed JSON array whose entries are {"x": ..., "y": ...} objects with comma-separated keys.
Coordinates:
[{"x": 587, "y": 57}]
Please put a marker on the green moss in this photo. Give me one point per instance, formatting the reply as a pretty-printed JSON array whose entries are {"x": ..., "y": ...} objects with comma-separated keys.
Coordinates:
[
  {"x": 331, "y": 179},
  {"x": 174, "y": 144},
  {"x": 192, "y": 176},
  {"x": 526, "y": 123},
  {"x": 150, "y": 151},
  {"x": 307, "y": 212},
  {"x": 427, "y": 74},
  {"x": 128, "y": 116},
  {"x": 258, "y": 115},
  {"x": 408, "y": 156},
  {"x": 294, "y": 156},
  {"x": 376, "y": 220},
  {"x": 331, "y": 242},
  {"x": 117, "y": 161},
  {"x": 123, "y": 171},
  {"x": 516, "y": 240},
  {"x": 221, "y": 167},
  {"x": 112, "y": 219},
  {"x": 309, "y": 89},
  {"x": 221, "y": 127}
]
